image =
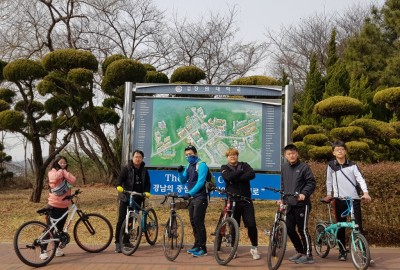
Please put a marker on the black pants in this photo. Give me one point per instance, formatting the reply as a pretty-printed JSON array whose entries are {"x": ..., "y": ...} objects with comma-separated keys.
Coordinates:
[
  {"x": 245, "y": 210},
  {"x": 122, "y": 215},
  {"x": 297, "y": 228},
  {"x": 56, "y": 213},
  {"x": 340, "y": 207},
  {"x": 197, "y": 213}
]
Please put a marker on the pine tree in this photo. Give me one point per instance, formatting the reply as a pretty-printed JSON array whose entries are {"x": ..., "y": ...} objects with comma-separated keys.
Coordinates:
[{"x": 313, "y": 91}]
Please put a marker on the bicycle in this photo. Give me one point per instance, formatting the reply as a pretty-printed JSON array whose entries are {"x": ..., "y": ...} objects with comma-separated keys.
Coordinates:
[
  {"x": 326, "y": 236},
  {"x": 173, "y": 232},
  {"x": 92, "y": 233},
  {"x": 227, "y": 232},
  {"x": 134, "y": 225},
  {"x": 278, "y": 233}
]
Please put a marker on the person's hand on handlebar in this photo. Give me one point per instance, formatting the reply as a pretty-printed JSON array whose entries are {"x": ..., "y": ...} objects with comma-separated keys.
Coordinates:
[
  {"x": 279, "y": 202},
  {"x": 301, "y": 197},
  {"x": 328, "y": 198},
  {"x": 146, "y": 194},
  {"x": 120, "y": 189}
]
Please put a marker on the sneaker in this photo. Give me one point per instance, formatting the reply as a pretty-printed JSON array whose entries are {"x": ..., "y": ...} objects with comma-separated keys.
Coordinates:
[
  {"x": 43, "y": 256},
  {"x": 371, "y": 263},
  {"x": 342, "y": 256},
  {"x": 304, "y": 259},
  {"x": 255, "y": 254},
  {"x": 199, "y": 253},
  {"x": 117, "y": 248},
  {"x": 59, "y": 252},
  {"x": 193, "y": 249},
  {"x": 295, "y": 257}
]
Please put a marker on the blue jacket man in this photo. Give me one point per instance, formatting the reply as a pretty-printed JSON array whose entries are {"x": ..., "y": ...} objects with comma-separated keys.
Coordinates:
[{"x": 195, "y": 176}]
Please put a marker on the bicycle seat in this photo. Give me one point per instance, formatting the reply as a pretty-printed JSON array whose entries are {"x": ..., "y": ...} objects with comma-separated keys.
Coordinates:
[{"x": 44, "y": 211}]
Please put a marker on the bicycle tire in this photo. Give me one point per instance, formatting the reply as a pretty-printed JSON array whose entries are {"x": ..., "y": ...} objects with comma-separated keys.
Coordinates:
[
  {"x": 27, "y": 244},
  {"x": 151, "y": 232},
  {"x": 173, "y": 237},
  {"x": 226, "y": 241},
  {"x": 360, "y": 253},
  {"x": 93, "y": 232},
  {"x": 277, "y": 245},
  {"x": 321, "y": 241},
  {"x": 130, "y": 241}
]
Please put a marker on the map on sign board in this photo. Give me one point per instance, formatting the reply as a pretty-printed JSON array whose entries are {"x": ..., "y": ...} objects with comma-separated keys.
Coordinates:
[{"x": 212, "y": 127}]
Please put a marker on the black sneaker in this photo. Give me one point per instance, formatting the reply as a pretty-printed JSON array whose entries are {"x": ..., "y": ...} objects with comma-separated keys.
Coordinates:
[
  {"x": 117, "y": 248},
  {"x": 305, "y": 260},
  {"x": 342, "y": 256}
]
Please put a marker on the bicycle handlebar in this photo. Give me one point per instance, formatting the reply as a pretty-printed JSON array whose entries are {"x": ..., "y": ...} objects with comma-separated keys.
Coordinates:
[
  {"x": 173, "y": 195},
  {"x": 296, "y": 194},
  {"x": 70, "y": 197},
  {"x": 232, "y": 195},
  {"x": 134, "y": 193}
]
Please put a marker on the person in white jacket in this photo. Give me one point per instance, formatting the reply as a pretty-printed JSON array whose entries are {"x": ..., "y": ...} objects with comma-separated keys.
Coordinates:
[{"x": 342, "y": 178}]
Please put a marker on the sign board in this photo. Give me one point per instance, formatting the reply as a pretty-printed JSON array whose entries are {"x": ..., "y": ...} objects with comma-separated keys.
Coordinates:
[{"x": 164, "y": 181}]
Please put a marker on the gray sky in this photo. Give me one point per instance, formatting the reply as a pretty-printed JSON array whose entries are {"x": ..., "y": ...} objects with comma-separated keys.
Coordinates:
[{"x": 254, "y": 16}]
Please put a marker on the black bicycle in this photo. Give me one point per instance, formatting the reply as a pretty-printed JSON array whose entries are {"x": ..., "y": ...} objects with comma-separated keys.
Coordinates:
[
  {"x": 227, "y": 232},
  {"x": 134, "y": 224},
  {"x": 173, "y": 232},
  {"x": 278, "y": 233}
]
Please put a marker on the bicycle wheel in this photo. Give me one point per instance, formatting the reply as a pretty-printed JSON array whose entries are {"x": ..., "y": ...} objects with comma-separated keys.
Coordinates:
[
  {"x": 93, "y": 232},
  {"x": 359, "y": 250},
  {"x": 321, "y": 241},
  {"x": 29, "y": 242},
  {"x": 277, "y": 245},
  {"x": 226, "y": 241},
  {"x": 130, "y": 238},
  {"x": 151, "y": 231},
  {"x": 173, "y": 237}
]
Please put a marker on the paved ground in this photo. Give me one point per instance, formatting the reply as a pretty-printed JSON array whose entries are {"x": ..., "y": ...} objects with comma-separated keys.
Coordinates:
[{"x": 147, "y": 257}]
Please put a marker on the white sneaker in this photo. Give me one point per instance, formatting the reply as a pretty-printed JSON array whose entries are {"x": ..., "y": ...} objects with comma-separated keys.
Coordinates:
[
  {"x": 255, "y": 254},
  {"x": 43, "y": 256},
  {"x": 59, "y": 252}
]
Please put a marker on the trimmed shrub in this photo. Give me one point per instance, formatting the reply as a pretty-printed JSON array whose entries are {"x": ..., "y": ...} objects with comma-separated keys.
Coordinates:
[
  {"x": 338, "y": 106},
  {"x": 155, "y": 77},
  {"x": 304, "y": 130},
  {"x": 358, "y": 151},
  {"x": 396, "y": 126},
  {"x": 303, "y": 150},
  {"x": 375, "y": 129},
  {"x": 347, "y": 133},
  {"x": 316, "y": 139},
  {"x": 23, "y": 70},
  {"x": 149, "y": 67},
  {"x": 66, "y": 59},
  {"x": 111, "y": 59},
  {"x": 255, "y": 80},
  {"x": 321, "y": 153},
  {"x": 389, "y": 97},
  {"x": 189, "y": 74}
]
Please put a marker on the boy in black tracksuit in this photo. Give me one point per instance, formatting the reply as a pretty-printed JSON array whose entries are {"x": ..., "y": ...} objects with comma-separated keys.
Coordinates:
[{"x": 297, "y": 177}]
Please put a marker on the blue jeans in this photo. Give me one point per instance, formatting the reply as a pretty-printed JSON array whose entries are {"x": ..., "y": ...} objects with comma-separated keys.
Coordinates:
[{"x": 197, "y": 213}]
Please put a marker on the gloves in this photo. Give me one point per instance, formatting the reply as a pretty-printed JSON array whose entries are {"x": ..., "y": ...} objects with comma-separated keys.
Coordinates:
[
  {"x": 147, "y": 195},
  {"x": 120, "y": 189},
  {"x": 186, "y": 196},
  {"x": 180, "y": 168}
]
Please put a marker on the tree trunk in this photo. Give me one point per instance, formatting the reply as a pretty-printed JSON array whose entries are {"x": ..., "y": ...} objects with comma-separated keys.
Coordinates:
[
  {"x": 79, "y": 159},
  {"x": 39, "y": 170}
]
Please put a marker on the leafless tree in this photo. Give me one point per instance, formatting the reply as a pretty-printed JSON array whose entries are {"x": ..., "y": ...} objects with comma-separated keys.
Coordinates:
[
  {"x": 292, "y": 45},
  {"x": 212, "y": 45}
]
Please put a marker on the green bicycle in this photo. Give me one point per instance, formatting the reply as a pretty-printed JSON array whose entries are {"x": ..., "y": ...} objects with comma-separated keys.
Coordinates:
[{"x": 326, "y": 237}]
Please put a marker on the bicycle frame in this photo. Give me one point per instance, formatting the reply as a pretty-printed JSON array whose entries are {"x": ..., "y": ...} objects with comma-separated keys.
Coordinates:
[
  {"x": 333, "y": 228},
  {"x": 54, "y": 221},
  {"x": 135, "y": 207}
]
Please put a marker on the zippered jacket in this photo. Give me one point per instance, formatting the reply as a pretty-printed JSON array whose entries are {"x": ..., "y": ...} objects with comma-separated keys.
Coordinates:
[{"x": 299, "y": 178}]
